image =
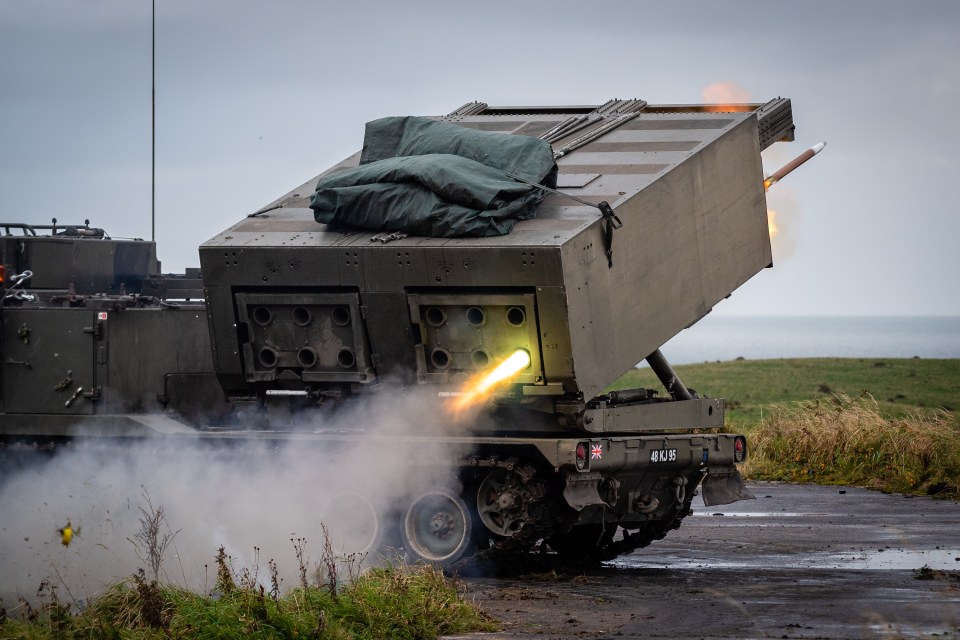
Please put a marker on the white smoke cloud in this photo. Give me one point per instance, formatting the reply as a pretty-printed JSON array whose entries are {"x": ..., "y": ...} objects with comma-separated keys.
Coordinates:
[{"x": 243, "y": 494}]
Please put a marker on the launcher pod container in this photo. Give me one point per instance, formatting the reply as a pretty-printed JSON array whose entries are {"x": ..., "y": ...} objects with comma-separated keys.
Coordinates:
[{"x": 445, "y": 247}]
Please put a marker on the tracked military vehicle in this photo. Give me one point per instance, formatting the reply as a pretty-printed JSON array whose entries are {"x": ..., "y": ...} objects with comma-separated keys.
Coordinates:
[{"x": 652, "y": 215}]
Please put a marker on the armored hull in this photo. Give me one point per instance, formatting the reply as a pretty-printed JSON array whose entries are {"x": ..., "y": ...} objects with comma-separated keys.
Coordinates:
[{"x": 658, "y": 214}]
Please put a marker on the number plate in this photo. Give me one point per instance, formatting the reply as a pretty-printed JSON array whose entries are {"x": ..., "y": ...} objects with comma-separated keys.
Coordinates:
[{"x": 663, "y": 455}]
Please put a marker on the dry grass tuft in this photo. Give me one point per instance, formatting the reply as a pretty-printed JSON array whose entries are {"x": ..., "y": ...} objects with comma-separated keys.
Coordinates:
[{"x": 839, "y": 440}]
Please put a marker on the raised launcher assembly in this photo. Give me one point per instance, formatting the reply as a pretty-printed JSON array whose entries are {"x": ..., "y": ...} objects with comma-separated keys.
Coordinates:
[{"x": 298, "y": 305}]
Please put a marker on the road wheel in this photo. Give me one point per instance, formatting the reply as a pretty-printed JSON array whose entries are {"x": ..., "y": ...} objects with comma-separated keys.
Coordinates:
[{"x": 436, "y": 527}]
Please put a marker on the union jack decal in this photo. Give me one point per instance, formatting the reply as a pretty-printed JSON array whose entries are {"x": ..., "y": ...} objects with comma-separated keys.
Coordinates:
[{"x": 596, "y": 452}]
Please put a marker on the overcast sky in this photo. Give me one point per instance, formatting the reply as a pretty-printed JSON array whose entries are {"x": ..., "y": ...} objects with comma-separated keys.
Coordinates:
[{"x": 255, "y": 97}]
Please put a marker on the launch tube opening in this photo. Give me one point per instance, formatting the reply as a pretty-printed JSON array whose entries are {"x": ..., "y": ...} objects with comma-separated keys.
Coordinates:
[
  {"x": 267, "y": 357},
  {"x": 440, "y": 358},
  {"x": 480, "y": 358},
  {"x": 307, "y": 357},
  {"x": 341, "y": 316},
  {"x": 516, "y": 316},
  {"x": 346, "y": 359},
  {"x": 301, "y": 315},
  {"x": 476, "y": 316},
  {"x": 262, "y": 316},
  {"x": 435, "y": 316}
]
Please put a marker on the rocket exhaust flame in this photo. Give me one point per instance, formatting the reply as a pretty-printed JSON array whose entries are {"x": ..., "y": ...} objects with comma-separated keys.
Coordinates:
[
  {"x": 480, "y": 387},
  {"x": 724, "y": 96},
  {"x": 772, "y": 223}
]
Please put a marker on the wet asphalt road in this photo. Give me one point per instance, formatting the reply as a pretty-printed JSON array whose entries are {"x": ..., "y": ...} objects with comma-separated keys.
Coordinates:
[{"x": 802, "y": 561}]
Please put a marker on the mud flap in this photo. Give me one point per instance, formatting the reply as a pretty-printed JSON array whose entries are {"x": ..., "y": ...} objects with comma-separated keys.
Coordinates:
[
  {"x": 724, "y": 485},
  {"x": 583, "y": 490}
]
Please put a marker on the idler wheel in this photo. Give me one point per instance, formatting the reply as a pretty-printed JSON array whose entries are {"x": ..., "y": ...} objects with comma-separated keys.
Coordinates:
[
  {"x": 502, "y": 502},
  {"x": 436, "y": 527}
]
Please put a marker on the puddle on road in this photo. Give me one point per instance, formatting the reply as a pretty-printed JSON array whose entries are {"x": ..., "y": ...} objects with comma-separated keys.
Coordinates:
[
  {"x": 762, "y": 514},
  {"x": 885, "y": 560},
  {"x": 894, "y": 559}
]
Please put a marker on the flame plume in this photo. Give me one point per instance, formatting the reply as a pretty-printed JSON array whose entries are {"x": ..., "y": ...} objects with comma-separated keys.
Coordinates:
[
  {"x": 772, "y": 223},
  {"x": 720, "y": 96},
  {"x": 480, "y": 387}
]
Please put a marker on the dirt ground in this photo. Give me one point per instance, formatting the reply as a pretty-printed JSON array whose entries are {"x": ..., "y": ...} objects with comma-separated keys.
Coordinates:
[{"x": 798, "y": 562}]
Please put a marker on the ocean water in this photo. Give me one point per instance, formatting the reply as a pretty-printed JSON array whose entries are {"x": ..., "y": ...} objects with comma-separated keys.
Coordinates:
[{"x": 754, "y": 338}]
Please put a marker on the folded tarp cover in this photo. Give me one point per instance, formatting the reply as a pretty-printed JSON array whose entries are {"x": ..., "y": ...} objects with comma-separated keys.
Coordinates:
[{"x": 430, "y": 178}]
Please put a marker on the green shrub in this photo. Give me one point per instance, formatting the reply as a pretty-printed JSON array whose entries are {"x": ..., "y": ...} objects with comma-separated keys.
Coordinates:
[{"x": 418, "y": 602}]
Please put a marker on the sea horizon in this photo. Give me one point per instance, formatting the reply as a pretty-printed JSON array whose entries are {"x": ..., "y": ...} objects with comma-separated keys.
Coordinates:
[{"x": 752, "y": 337}]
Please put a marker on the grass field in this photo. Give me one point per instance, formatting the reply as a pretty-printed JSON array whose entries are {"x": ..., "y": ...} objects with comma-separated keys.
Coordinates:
[
  {"x": 751, "y": 386},
  {"x": 885, "y": 423}
]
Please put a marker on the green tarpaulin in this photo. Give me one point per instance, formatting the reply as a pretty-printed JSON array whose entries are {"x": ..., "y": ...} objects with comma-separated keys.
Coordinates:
[{"x": 430, "y": 178}]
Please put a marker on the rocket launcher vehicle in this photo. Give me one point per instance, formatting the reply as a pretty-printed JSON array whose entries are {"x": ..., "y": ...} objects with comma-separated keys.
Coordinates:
[{"x": 634, "y": 221}]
